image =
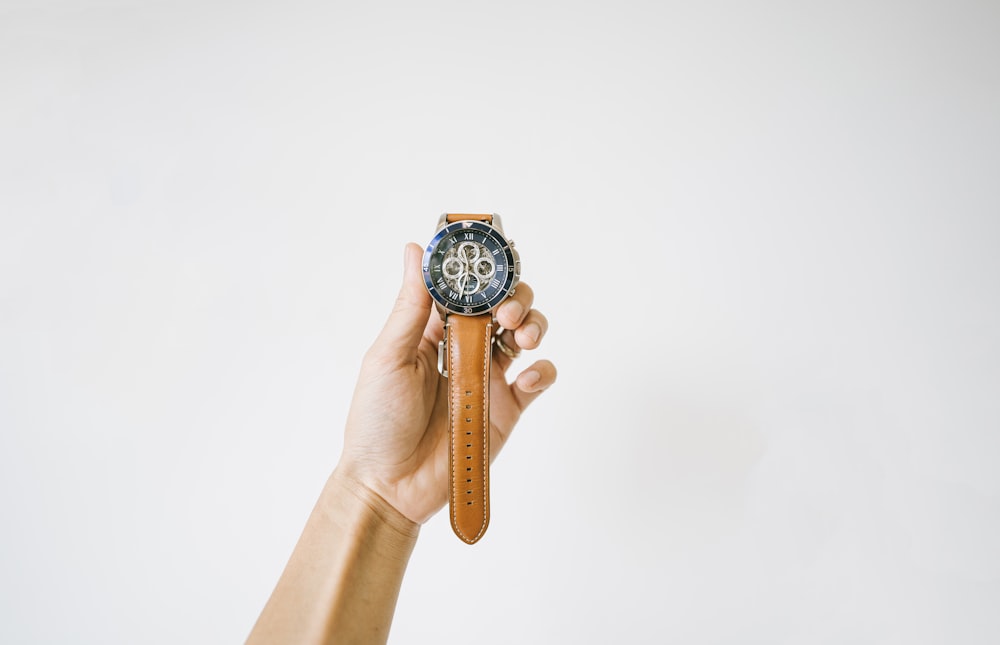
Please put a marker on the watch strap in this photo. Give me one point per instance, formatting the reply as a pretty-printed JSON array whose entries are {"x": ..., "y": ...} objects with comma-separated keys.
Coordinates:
[
  {"x": 469, "y": 352},
  {"x": 461, "y": 217}
]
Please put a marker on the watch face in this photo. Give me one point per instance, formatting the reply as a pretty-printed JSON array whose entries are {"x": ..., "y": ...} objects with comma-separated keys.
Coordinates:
[{"x": 469, "y": 267}]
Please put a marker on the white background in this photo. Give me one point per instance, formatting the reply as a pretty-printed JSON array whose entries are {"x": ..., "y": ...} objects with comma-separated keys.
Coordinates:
[{"x": 766, "y": 236}]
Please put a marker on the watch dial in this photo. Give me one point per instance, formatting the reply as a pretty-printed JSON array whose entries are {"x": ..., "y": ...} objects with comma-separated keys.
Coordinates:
[{"x": 469, "y": 267}]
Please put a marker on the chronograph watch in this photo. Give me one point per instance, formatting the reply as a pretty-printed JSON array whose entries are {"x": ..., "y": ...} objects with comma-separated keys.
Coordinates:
[{"x": 469, "y": 268}]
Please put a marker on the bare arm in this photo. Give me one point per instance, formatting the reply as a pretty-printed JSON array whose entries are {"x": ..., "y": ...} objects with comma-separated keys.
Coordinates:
[{"x": 342, "y": 580}]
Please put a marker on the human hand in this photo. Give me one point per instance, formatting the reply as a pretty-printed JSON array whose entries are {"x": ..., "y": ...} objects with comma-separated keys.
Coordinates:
[{"x": 396, "y": 441}]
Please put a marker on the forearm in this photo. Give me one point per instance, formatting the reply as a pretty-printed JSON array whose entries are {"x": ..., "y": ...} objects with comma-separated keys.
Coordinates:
[{"x": 341, "y": 582}]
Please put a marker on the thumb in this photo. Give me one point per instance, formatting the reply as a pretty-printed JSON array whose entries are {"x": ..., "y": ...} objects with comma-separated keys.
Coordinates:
[{"x": 402, "y": 332}]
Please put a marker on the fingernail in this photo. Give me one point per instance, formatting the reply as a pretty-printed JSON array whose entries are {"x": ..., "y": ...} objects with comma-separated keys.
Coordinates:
[
  {"x": 533, "y": 331},
  {"x": 531, "y": 378}
]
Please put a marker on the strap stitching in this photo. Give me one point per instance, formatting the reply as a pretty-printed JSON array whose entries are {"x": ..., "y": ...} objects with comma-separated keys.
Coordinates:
[
  {"x": 486, "y": 430},
  {"x": 451, "y": 427}
]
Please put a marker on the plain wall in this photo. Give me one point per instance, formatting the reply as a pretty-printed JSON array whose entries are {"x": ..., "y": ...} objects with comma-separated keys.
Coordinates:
[{"x": 765, "y": 234}]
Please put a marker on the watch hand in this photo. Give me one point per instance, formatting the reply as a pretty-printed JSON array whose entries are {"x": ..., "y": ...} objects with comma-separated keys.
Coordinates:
[{"x": 468, "y": 270}]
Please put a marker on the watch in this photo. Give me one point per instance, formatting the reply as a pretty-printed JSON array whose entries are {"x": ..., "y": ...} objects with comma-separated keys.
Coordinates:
[{"x": 469, "y": 268}]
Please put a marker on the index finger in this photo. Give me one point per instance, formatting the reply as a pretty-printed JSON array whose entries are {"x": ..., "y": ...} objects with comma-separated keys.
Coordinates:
[{"x": 511, "y": 313}]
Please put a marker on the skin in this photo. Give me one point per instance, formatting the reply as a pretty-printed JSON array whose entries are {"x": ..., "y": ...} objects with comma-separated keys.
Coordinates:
[{"x": 342, "y": 580}]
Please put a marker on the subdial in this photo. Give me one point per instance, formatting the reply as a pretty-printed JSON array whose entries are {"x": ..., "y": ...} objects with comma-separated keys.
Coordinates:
[
  {"x": 452, "y": 268},
  {"x": 467, "y": 268},
  {"x": 484, "y": 268}
]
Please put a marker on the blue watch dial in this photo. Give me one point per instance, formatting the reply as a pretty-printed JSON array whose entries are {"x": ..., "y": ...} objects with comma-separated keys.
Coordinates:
[{"x": 469, "y": 267}]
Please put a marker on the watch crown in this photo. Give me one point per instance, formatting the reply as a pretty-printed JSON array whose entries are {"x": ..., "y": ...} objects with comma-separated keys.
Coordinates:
[{"x": 510, "y": 242}]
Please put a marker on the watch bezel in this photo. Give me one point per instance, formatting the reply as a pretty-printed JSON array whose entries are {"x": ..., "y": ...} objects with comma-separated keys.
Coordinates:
[{"x": 511, "y": 278}]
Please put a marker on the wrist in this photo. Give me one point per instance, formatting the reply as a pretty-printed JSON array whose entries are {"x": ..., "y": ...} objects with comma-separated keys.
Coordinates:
[
  {"x": 341, "y": 583},
  {"x": 372, "y": 512}
]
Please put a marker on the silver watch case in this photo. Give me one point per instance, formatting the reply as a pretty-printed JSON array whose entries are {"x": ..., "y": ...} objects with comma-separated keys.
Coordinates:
[{"x": 512, "y": 274}]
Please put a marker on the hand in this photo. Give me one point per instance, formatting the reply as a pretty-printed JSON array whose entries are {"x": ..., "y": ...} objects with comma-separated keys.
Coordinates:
[{"x": 397, "y": 439}]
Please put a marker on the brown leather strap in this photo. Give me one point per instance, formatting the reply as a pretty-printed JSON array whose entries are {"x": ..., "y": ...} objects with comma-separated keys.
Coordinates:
[
  {"x": 469, "y": 391},
  {"x": 461, "y": 217}
]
